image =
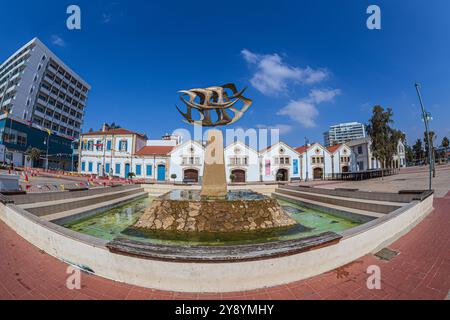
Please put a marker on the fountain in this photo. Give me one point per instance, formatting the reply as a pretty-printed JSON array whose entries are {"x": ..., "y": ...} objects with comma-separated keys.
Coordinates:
[{"x": 214, "y": 208}]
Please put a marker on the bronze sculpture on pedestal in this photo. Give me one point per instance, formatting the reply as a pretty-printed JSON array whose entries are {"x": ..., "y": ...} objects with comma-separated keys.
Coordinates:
[{"x": 221, "y": 100}]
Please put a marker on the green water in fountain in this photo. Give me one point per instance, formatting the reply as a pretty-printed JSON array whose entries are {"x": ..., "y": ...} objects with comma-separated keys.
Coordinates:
[{"x": 118, "y": 222}]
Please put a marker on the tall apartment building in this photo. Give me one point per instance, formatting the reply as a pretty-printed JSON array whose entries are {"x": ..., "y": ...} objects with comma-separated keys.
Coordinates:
[
  {"x": 344, "y": 132},
  {"x": 36, "y": 86}
]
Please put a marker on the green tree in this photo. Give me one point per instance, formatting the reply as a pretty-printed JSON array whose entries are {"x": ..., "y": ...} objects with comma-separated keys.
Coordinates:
[
  {"x": 418, "y": 152},
  {"x": 444, "y": 144},
  {"x": 409, "y": 154},
  {"x": 384, "y": 138},
  {"x": 114, "y": 126},
  {"x": 34, "y": 154},
  {"x": 394, "y": 136},
  {"x": 173, "y": 176},
  {"x": 432, "y": 138}
]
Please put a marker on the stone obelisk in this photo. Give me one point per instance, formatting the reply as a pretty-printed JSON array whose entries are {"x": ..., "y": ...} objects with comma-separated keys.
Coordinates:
[{"x": 214, "y": 184}]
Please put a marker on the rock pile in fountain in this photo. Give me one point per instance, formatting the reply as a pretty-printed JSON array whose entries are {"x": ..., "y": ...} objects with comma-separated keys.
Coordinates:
[{"x": 214, "y": 215}]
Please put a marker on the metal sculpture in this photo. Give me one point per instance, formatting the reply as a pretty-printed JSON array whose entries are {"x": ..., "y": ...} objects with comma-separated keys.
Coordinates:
[{"x": 215, "y": 99}]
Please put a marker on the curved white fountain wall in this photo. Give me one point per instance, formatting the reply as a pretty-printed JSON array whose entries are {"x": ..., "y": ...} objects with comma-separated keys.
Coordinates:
[{"x": 85, "y": 250}]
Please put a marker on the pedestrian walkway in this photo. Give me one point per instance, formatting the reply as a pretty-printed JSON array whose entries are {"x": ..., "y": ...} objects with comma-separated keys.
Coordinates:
[{"x": 421, "y": 270}]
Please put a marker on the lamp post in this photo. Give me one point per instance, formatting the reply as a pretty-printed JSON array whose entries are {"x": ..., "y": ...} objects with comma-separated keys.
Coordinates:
[
  {"x": 426, "y": 116},
  {"x": 46, "y": 154},
  {"x": 306, "y": 155},
  {"x": 73, "y": 151}
]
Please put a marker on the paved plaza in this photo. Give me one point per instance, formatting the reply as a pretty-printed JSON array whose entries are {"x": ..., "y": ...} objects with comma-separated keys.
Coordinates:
[
  {"x": 421, "y": 270},
  {"x": 412, "y": 178}
]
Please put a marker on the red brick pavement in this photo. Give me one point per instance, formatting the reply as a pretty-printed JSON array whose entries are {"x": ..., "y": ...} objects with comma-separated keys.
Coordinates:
[{"x": 420, "y": 271}]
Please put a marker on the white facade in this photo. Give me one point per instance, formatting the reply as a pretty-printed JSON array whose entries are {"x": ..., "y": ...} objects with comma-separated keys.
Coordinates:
[
  {"x": 315, "y": 162},
  {"x": 243, "y": 162},
  {"x": 279, "y": 162},
  {"x": 110, "y": 152},
  {"x": 120, "y": 151},
  {"x": 400, "y": 158},
  {"x": 362, "y": 158},
  {"x": 340, "y": 159},
  {"x": 186, "y": 161},
  {"x": 35, "y": 85}
]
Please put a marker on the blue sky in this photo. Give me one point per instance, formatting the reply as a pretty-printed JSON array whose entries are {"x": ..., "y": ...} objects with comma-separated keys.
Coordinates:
[{"x": 307, "y": 64}]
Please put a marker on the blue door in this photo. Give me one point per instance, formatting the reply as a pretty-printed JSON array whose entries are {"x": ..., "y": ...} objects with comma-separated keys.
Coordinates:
[
  {"x": 161, "y": 172},
  {"x": 127, "y": 170}
]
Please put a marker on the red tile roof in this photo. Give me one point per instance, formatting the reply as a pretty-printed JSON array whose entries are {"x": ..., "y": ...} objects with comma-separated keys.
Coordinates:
[
  {"x": 154, "y": 151},
  {"x": 301, "y": 149},
  {"x": 332, "y": 149},
  {"x": 114, "y": 131}
]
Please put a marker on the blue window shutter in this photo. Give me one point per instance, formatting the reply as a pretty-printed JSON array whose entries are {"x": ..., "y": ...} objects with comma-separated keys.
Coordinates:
[
  {"x": 149, "y": 170},
  {"x": 107, "y": 168},
  {"x": 138, "y": 170},
  {"x": 83, "y": 166},
  {"x": 108, "y": 145}
]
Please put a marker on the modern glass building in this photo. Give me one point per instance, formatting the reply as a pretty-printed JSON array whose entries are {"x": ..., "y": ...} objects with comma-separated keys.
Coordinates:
[
  {"x": 18, "y": 137},
  {"x": 344, "y": 132}
]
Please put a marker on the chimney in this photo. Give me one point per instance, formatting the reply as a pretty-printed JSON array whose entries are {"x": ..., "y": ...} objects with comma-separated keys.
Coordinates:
[{"x": 105, "y": 127}]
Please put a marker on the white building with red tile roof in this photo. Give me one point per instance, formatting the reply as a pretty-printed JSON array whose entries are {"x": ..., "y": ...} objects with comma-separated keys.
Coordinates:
[
  {"x": 340, "y": 158},
  {"x": 186, "y": 162},
  {"x": 119, "y": 152},
  {"x": 315, "y": 162},
  {"x": 241, "y": 163},
  {"x": 279, "y": 162}
]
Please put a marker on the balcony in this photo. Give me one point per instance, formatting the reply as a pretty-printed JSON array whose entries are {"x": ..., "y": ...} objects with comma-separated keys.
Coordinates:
[
  {"x": 53, "y": 70},
  {"x": 11, "y": 89}
]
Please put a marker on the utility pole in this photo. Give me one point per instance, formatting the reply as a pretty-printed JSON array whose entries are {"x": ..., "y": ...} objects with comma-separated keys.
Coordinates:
[{"x": 426, "y": 116}]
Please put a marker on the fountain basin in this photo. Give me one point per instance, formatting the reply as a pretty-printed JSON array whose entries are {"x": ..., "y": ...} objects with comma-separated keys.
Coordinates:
[{"x": 187, "y": 211}]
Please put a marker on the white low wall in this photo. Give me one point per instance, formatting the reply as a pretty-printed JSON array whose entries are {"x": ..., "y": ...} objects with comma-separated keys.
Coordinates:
[
  {"x": 9, "y": 182},
  {"x": 212, "y": 277}
]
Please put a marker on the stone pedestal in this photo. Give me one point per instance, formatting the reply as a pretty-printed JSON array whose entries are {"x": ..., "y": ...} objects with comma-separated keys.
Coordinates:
[{"x": 214, "y": 185}]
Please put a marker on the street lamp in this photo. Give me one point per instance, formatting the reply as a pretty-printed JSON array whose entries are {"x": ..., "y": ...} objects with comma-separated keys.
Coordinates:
[
  {"x": 306, "y": 155},
  {"x": 47, "y": 143},
  {"x": 73, "y": 151},
  {"x": 426, "y": 117}
]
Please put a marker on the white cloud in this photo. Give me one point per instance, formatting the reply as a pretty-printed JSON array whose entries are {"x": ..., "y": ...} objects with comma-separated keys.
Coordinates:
[
  {"x": 58, "y": 41},
  {"x": 283, "y": 128},
  {"x": 272, "y": 75},
  {"x": 304, "y": 111}
]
